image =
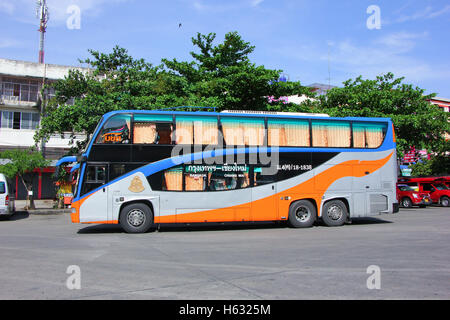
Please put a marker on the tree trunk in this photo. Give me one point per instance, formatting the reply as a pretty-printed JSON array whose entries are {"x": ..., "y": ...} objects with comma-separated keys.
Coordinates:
[{"x": 30, "y": 201}]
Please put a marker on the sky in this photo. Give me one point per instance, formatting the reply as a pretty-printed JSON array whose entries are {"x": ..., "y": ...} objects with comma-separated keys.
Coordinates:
[{"x": 312, "y": 41}]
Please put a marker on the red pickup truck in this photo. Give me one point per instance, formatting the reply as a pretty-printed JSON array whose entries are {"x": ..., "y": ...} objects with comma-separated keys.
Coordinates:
[
  {"x": 408, "y": 196},
  {"x": 439, "y": 192}
]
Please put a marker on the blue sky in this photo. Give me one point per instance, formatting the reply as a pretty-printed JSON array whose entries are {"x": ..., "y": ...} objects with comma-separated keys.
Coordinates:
[{"x": 310, "y": 40}]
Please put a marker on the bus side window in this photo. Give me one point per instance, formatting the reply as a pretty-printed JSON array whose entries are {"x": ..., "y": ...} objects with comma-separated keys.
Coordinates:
[
  {"x": 152, "y": 129},
  {"x": 95, "y": 177},
  {"x": 198, "y": 130},
  {"x": 331, "y": 134},
  {"x": 368, "y": 135},
  {"x": 261, "y": 176}
]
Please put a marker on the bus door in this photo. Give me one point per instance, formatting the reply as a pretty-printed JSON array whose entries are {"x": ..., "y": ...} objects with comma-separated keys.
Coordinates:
[
  {"x": 98, "y": 205},
  {"x": 264, "y": 200}
]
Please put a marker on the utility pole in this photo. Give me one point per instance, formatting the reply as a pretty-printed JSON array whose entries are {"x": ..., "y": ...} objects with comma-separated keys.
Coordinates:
[{"x": 43, "y": 16}]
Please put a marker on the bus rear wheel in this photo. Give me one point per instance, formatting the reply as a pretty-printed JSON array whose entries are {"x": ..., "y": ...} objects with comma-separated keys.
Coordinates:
[
  {"x": 136, "y": 218},
  {"x": 334, "y": 213},
  {"x": 302, "y": 214}
]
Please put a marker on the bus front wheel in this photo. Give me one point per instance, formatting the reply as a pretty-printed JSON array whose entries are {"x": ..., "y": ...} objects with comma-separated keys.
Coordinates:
[
  {"x": 302, "y": 214},
  {"x": 136, "y": 218}
]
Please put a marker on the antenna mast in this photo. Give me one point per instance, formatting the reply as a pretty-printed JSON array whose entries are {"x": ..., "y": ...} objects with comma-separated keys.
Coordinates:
[{"x": 43, "y": 16}]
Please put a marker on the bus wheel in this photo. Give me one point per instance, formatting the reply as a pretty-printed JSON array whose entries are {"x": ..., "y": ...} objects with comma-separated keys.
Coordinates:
[
  {"x": 302, "y": 214},
  {"x": 136, "y": 218},
  {"x": 334, "y": 213},
  {"x": 445, "y": 202},
  {"x": 406, "y": 202}
]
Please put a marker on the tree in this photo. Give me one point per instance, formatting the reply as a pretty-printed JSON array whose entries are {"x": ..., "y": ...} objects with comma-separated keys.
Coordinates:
[
  {"x": 224, "y": 71},
  {"x": 417, "y": 122},
  {"x": 22, "y": 163},
  {"x": 220, "y": 76}
]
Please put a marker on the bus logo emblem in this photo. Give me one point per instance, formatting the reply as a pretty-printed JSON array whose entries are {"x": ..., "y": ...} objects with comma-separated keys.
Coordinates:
[{"x": 136, "y": 185}]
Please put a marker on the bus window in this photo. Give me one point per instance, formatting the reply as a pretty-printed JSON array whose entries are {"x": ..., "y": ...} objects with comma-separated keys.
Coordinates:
[
  {"x": 115, "y": 130},
  {"x": 331, "y": 134},
  {"x": 229, "y": 178},
  {"x": 152, "y": 129},
  {"x": 368, "y": 135},
  {"x": 196, "y": 130},
  {"x": 95, "y": 177},
  {"x": 173, "y": 179},
  {"x": 243, "y": 131},
  {"x": 261, "y": 176},
  {"x": 288, "y": 132}
]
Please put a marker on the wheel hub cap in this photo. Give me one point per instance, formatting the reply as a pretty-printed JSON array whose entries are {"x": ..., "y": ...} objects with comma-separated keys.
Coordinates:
[{"x": 136, "y": 217}]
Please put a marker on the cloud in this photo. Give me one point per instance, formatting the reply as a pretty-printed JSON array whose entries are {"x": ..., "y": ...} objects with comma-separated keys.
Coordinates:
[
  {"x": 222, "y": 6},
  {"x": 256, "y": 3},
  {"x": 392, "y": 52},
  {"x": 6, "y": 7},
  {"x": 9, "y": 43},
  {"x": 427, "y": 13}
]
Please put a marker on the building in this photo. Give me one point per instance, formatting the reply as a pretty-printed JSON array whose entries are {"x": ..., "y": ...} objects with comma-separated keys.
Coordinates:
[{"x": 20, "y": 108}]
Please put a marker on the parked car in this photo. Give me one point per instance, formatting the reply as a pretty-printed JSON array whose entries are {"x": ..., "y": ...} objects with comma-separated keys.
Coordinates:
[
  {"x": 435, "y": 186},
  {"x": 7, "y": 205},
  {"x": 408, "y": 196}
]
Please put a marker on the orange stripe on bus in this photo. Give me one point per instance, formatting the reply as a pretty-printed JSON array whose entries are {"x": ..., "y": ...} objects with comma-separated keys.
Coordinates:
[{"x": 259, "y": 212}]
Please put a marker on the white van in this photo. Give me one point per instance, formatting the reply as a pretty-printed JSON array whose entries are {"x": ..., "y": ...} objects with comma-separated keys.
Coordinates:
[{"x": 7, "y": 207}]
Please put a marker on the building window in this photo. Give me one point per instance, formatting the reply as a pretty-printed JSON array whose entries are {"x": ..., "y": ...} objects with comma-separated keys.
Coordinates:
[
  {"x": 19, "y": 120},
  {"x": 19, "y": 90}
]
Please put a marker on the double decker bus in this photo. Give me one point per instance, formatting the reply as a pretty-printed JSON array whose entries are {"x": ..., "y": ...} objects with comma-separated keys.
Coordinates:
[{"x": 143, "y": 168}]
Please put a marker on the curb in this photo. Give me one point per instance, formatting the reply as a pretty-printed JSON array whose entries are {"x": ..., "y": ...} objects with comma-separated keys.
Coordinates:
[{"x": 48, "y": 211}]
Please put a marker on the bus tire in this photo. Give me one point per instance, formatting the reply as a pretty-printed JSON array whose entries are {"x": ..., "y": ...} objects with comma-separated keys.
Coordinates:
[
  {"x": 445, "y": 202},
  {"x": 406, "y": 202},
  {"x": 136, "y": 218},
  {"x": 302, "y": 214},
  {"x": 334, "y": 213}
]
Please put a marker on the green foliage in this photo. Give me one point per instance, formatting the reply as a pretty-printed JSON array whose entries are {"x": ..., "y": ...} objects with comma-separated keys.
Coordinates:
[
  {"x": 21, "y": 162},
  {"x": 438, "y": 165},
  {"x": 417, "y": 122},
  {"x": 220, "y": 76}
]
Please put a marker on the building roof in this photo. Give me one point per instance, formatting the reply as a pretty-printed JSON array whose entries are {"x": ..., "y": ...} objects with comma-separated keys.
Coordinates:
[{"x": 35, "y": 70}]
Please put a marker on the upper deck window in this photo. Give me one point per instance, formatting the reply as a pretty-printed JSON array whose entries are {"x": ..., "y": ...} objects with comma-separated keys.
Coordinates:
[
  {"x": 115, "y": 130},
  {"x": 368, "y": 135},
  {"x": 152, "y": 129},
  {"x": 334, "y": 134},
  {"x": 288, "y": 132},
  {"x": 243, "y": 131},
  {"x": 196, "y": 130}
]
